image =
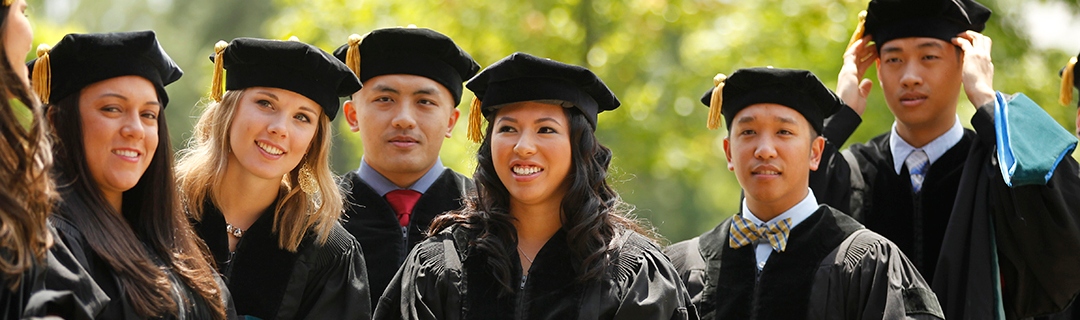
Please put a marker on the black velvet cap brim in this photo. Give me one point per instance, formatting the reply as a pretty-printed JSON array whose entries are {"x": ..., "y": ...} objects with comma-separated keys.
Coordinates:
[
  {"x": 501, "y": 93},
  {"x": 523, "y": 77},
  {"x": 922, "y": 28},
  {"x": 413, "y": 64},
  {"x": 800, "y": 90},
  {"x": 65, "y": 83},
  {"x": 274, "y": 76}
]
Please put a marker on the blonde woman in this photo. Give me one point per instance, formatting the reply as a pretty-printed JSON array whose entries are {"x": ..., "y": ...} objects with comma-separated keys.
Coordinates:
[{"x": 256, "y": 178}]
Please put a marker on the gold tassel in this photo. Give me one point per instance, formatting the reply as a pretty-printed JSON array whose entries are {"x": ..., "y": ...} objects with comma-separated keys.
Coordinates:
[
  {"x": 1067, "y": 77},
  {"x": 217, "y": 89},
  {"x": 716, "y": 101},
  {"x": 42, "y": 74},
  {"x": 859, "y": 29},
  {"x": 352, "y": 55},
  {"x": 475, "y": 121}
]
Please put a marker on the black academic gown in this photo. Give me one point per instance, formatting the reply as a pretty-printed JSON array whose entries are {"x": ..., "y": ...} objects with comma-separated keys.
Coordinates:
[
  {"x": 315, "y": 282},
  {"x": 59, "y": 287},
  {"x": 832, "y": 268},
  {"x": 964, "y": 206},
  {"x": 119, "y": 306},
  {"x": 441, "y": 280},
  {"x": 370, "y": 219}
]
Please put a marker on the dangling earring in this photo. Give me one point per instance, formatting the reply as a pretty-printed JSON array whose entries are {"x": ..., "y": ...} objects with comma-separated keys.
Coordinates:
[
  {"x": 307, "y": 181},
  {"x": 310, "y": 186}
]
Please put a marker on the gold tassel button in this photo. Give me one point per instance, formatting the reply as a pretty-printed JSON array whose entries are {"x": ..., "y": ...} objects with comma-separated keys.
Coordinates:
[
  {"x": 716, "y": 101},
  {"x": 42, "y": 74},
  {"x": 1067, "y": 77},
  {"x": 217, "y": 90},
  {"x": 476, "y": 119},
  {"x": 352, "y": 55}
]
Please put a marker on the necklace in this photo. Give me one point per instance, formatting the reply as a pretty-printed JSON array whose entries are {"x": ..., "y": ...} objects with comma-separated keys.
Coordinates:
[
  {"x": 234, "y": 231},
  {"x": 525, "y": 255}
]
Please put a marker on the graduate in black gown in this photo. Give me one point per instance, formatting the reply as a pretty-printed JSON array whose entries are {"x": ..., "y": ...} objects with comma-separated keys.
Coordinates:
[
  {"x": 988, "y": 215},
  {"x": 545, "y": 237},
  {"x": 120, "y": 213},
  {"x": 412, "y": 85},
  {"x": 257, "y": 180},
  {"x": 784, "y": 256},
  {"x": 38, "y": 274}
]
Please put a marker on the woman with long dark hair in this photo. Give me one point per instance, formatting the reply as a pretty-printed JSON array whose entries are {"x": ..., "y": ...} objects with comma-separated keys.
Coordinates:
[
  {"x": 545, "y": 237},
  {"x": 121, "y": 214},
  {"x": 257, "y": 180}
]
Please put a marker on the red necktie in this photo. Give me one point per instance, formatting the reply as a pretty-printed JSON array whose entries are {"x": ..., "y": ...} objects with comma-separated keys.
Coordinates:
[{"x": 403, "y": 202}]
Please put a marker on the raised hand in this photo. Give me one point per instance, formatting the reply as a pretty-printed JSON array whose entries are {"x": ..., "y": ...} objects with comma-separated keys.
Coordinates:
[
  {"x": 850, "y": 84},
  {"x": 978, "y": 75}
]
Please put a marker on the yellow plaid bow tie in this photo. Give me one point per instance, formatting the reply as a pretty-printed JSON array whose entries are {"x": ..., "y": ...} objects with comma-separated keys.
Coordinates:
[{"x": 744, "y": 232}]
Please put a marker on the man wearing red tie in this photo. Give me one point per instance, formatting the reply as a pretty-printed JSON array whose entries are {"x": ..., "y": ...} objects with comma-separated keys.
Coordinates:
[{"x": 413, "y": 83}]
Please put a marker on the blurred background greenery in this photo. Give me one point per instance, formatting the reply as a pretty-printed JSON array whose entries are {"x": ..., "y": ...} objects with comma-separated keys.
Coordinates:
[{"x": 658, "y": 56}]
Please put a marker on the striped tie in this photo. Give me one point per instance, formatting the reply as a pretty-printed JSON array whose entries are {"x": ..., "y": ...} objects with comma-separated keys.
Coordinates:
[
  {"x": 917, "y": 163},
  {"x": 743, "y": 232}
]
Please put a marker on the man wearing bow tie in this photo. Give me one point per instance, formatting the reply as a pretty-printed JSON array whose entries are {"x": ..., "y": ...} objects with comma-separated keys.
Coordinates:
[{"x": 784, "y": 256}]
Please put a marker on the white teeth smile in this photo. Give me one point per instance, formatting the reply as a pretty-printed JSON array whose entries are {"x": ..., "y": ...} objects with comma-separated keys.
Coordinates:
[
  {"x": 126, "y": 153},
  {"x": 768, "y": 172},
  {"x": 524, "y": 171},
  {"x": 269, "y": 149}
]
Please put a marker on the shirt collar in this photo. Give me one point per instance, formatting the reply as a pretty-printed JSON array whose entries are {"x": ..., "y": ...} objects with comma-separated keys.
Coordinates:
[
  {"x": 934, "y": 150},
  {"x": 802, "y": 210},
  {"x": 382, "y": 185}
]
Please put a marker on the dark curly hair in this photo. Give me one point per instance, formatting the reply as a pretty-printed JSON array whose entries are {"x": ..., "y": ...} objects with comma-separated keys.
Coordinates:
[{"x": 593, "y": 213}]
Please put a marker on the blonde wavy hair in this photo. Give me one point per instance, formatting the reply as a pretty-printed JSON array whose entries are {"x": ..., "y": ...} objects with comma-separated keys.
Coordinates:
[{"x": 202, "y": 165}]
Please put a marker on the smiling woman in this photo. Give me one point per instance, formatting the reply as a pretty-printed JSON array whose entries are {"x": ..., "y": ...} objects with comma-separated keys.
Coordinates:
[
  {"x": 257, "y": 180},
  {"x": 544, "y": 237},
  {"x": 121, "y": 215}
]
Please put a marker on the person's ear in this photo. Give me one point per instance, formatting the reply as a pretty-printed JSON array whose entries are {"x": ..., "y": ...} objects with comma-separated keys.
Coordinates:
[{"x": 817, "y": 147}]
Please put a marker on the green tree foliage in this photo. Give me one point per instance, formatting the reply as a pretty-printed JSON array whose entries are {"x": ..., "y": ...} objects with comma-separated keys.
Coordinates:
[{"x": 658, "y": 56}]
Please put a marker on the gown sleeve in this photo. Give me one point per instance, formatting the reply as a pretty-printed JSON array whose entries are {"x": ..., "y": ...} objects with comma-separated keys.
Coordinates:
[
  {"x": 69, "y": 291},
  {"x": 427, "y": 286},
  {"x": 840, "y": 126},
  {"x": 1036, "y": 228},
  {"x": 338, "y": 288},
  {"x": 652, "y": 290},
  {"x": 687, "y": 260},
  {"x": 831, "y": 182},
  {"x": 869, "y": 278}
]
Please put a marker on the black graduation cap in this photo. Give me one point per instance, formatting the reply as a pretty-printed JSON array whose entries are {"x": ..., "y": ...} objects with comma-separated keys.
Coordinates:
[
  {"x": 416, "y": 51},
  {"x": 291, "y": 65},
  {"x": 524, "y": 77},
  {"x": 1069, "y": 80},
  {"x": 941, "y": 19},
  {"x": 79, "y": 60},
  {"x": 797, "y": 89}
]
